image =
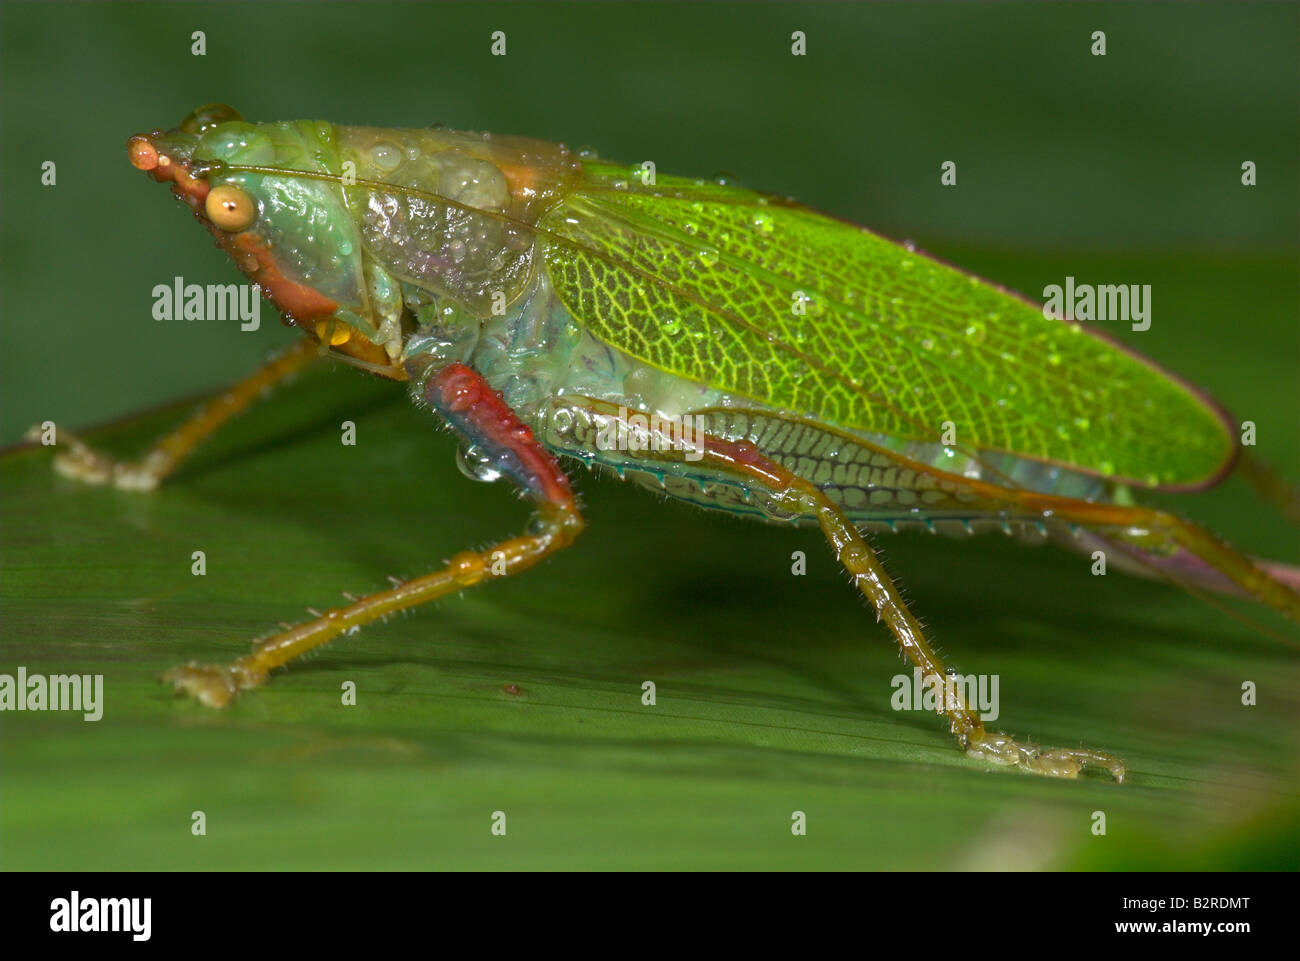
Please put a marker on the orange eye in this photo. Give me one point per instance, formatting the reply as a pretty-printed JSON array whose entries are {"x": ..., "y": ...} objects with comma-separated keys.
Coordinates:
[{"x": 230, "y": 208}]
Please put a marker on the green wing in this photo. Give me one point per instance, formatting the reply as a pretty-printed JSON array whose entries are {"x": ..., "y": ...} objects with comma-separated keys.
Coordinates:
[{"x": 781, "y": 304}]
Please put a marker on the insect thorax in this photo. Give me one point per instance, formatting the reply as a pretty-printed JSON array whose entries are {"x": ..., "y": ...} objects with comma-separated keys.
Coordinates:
[{"x": 453, "y": 212}]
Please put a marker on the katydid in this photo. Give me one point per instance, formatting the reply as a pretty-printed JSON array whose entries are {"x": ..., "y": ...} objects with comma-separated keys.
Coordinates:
[{"x": 731, "y": 349}]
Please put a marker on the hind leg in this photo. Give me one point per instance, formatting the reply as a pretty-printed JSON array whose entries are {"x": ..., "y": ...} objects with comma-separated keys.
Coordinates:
[
  {"x": 1158, "y": 531},
  {"x": 798, "y": 496}
]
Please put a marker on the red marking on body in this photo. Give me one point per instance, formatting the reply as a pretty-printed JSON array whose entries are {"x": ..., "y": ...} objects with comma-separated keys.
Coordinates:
[
  {"x": 746, "y": 457},
  {"x": 303, "y": 303},
  {"x": 463, "y": 391}
]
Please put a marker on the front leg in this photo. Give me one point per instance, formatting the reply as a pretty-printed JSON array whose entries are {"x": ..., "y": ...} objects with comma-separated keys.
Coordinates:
[
  {"x": 83, "y": 463},
  {"x": 469, "y": 405}
]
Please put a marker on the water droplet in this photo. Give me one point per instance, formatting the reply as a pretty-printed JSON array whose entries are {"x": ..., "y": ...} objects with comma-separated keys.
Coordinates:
[
  {"x": 672, "y": 326},
  {"x": 690, "y": 228},
  {"x": 476, "y": 464},
  {"x": 763, "y": 223},
  {"x": 708, "y": 256},
  {"x": 386, "y": 157},
  {"x": 724, "y": 179},
  {"x": 588, "y": 153},
  {"x": 975, "y": 332},
  {"x": 906, "y": 263}
]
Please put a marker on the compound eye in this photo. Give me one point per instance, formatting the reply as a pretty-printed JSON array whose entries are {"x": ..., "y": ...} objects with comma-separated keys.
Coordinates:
[{"x": 230, "y": 208}]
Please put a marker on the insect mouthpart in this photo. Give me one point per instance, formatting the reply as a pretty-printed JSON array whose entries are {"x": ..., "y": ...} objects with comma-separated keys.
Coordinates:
[
  {"x": 143, "y": 154},
  {"x": 167, "y": 163}
]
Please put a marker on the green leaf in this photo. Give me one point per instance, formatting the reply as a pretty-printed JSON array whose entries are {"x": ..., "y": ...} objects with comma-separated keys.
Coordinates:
[{"x": 773, "y": 691}]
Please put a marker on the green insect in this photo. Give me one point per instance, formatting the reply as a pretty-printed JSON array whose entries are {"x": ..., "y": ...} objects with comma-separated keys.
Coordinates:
[{"x": 731, "y": 349}]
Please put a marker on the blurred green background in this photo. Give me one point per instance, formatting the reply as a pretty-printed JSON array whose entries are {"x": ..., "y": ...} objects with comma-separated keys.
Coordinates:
[{"x": 773, "y": 690}]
